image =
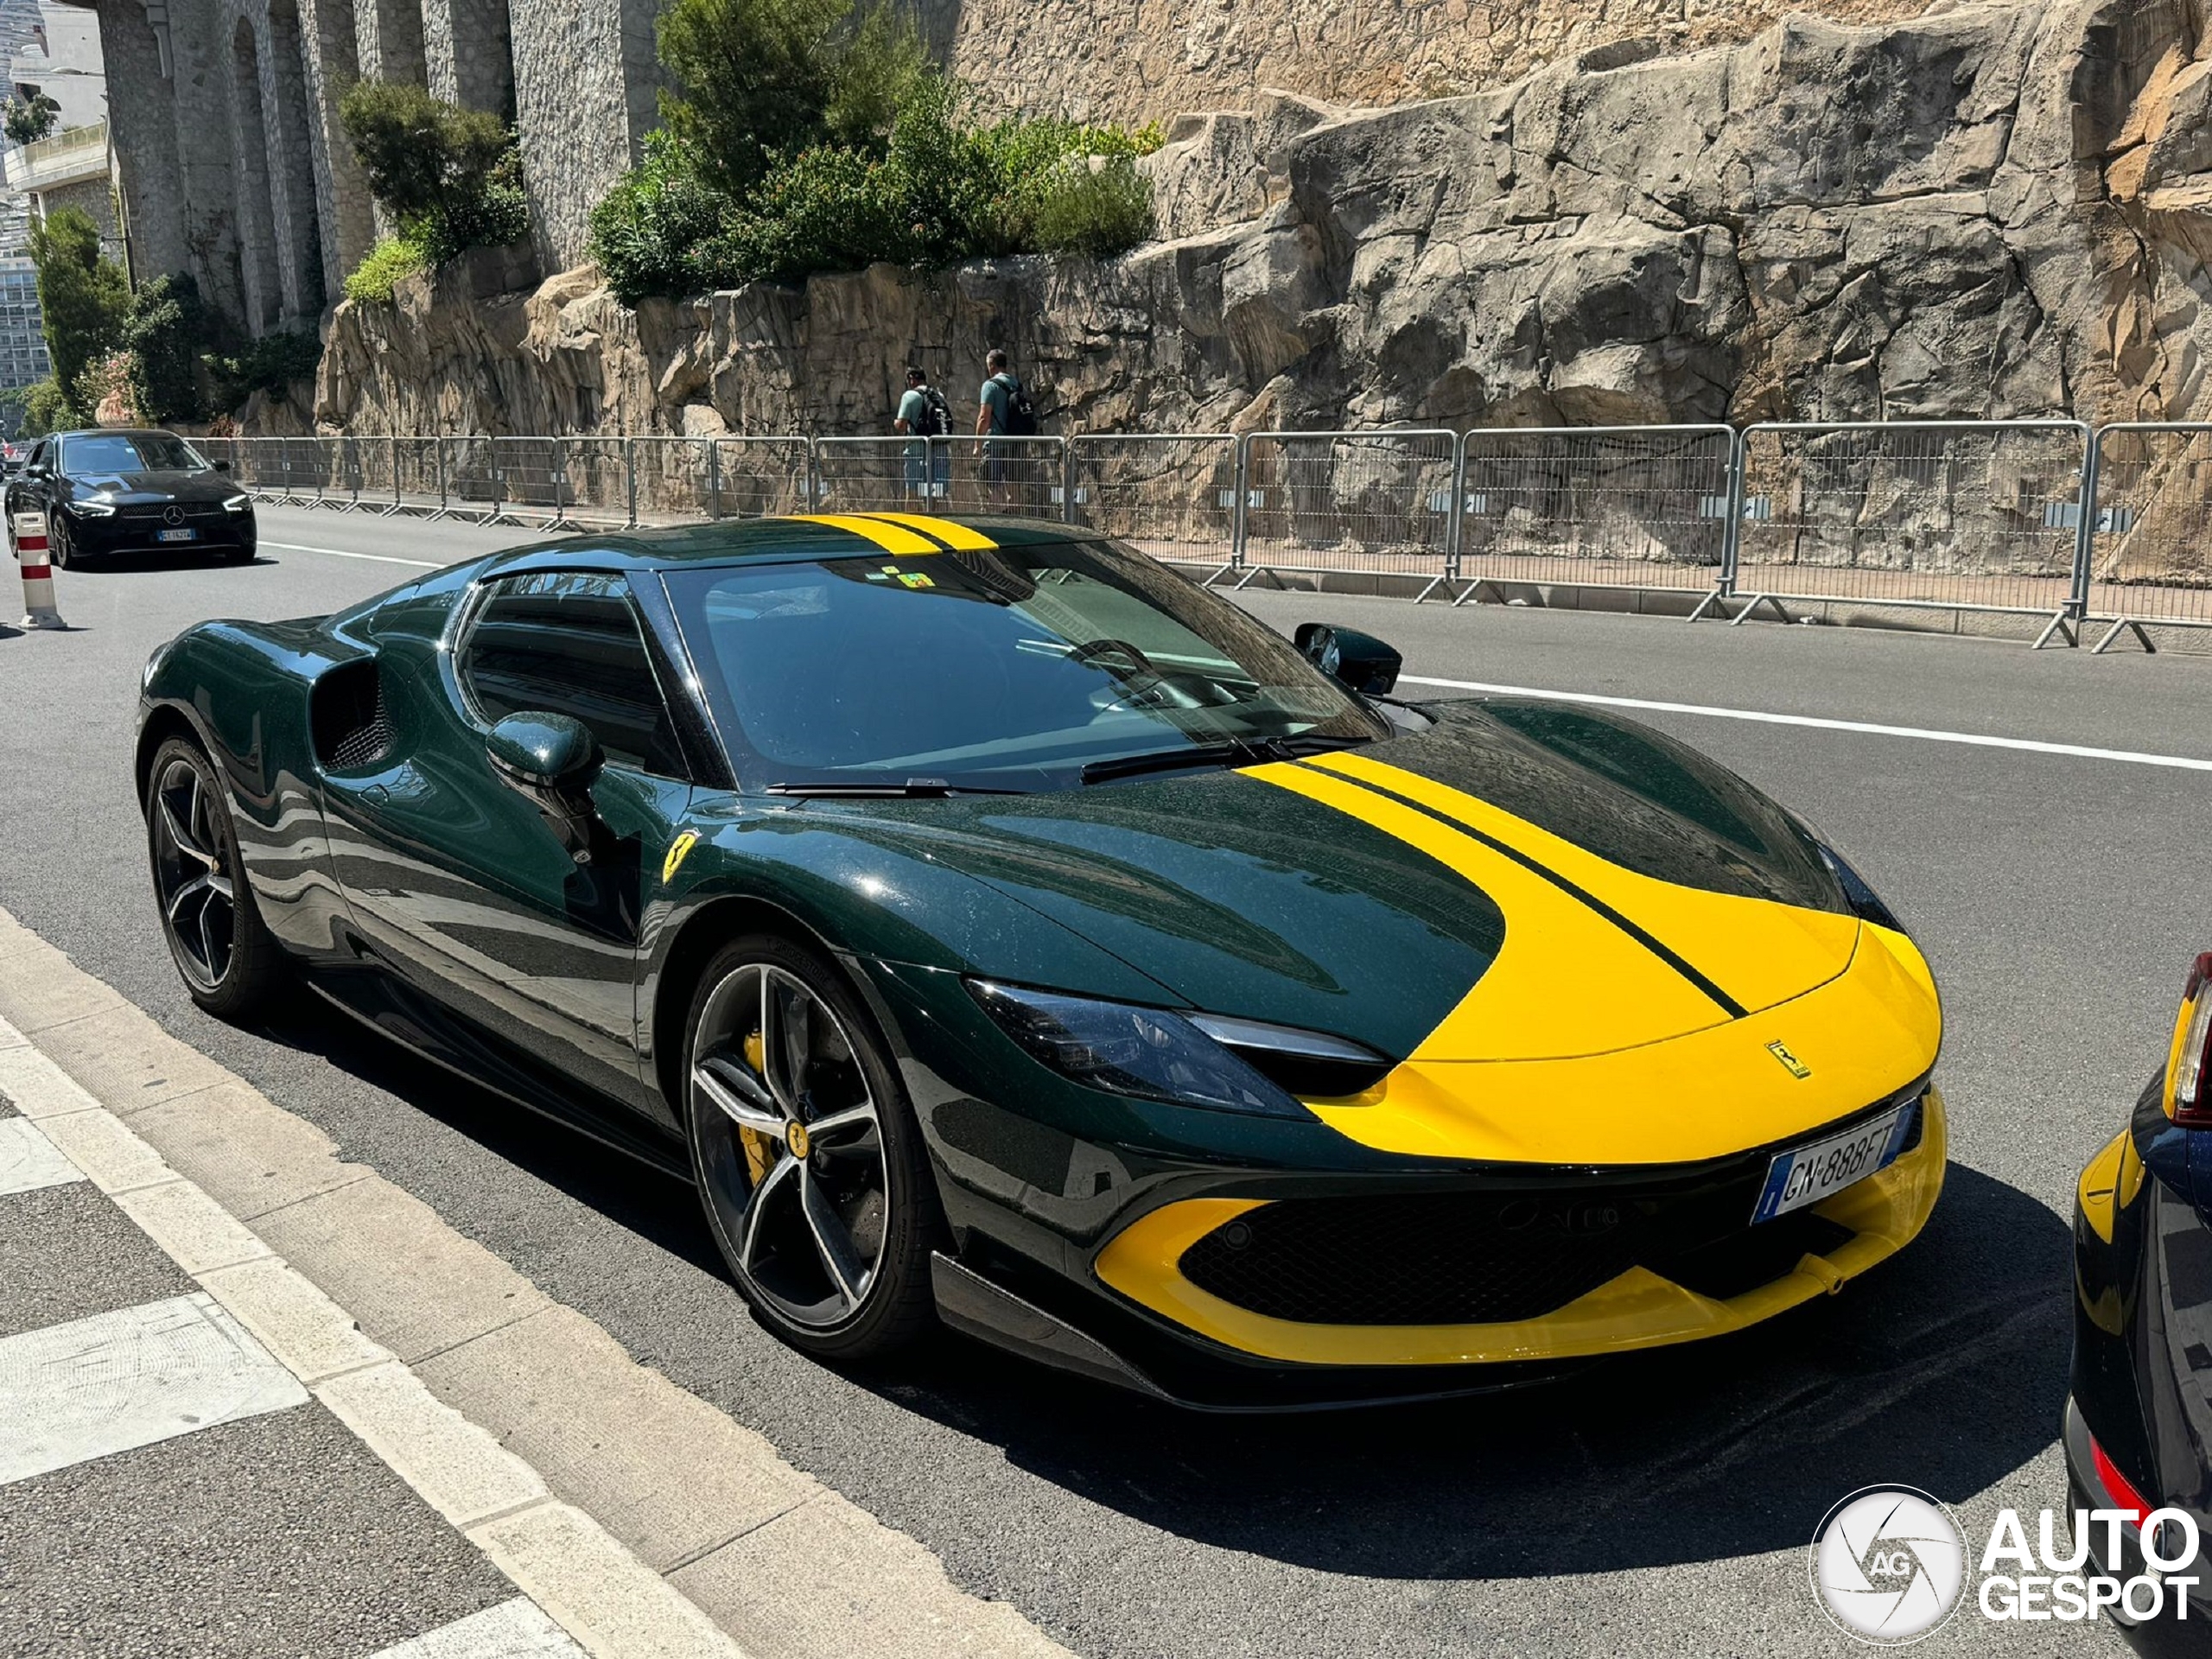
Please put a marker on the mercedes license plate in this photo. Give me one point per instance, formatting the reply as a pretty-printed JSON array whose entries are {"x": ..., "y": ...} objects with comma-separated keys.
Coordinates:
[
  {"x": 176, "y": 535},
  {"x": 1808, "y": 1174}
]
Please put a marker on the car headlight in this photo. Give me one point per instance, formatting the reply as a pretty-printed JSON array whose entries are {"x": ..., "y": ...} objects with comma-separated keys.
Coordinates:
[
  {"x": 1195, "y": 1059},
  {"x": 91, "y": 509},
  {"x": 238, "y": 503},
  {"x": 1864, "y": 902}
]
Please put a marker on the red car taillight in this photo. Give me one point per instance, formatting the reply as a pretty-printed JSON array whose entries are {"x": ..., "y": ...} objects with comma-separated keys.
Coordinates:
[
  {"x": 2189, "y": 1067},
  {"x": 2124, "y": 1496}
]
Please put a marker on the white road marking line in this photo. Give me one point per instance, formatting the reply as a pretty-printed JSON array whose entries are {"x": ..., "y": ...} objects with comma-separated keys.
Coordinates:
[
  {"x": 374, "y": 558},
  {"x": 1975, "y": 739},
  {"x": 28, "y": 1161},
  {"x": 513, "y": 1630},
  {"x": 92, "y": 1387}
]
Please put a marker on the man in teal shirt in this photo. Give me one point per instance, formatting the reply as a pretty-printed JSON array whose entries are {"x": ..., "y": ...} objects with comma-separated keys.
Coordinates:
[
  {"x": 923, "y": 415},
  {"x": 991, "y": 413}
]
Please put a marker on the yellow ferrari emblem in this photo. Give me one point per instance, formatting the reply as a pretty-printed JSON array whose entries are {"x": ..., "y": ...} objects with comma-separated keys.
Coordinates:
[
  {"x": 678, "y": 850},
  {"x": 1795, "y": 1067},
  {"x": 795, "y": 1138}
]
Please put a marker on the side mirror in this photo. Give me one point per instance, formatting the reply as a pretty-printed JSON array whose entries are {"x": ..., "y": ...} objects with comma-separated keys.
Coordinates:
[
  {"x": 222, "y": 466},
  {"x": 1357, "y": 661},
  {"x": 551, "y": 760}
]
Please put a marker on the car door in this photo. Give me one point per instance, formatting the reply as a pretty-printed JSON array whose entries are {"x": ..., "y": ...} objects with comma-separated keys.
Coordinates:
[{"x": 458, "y": 880}]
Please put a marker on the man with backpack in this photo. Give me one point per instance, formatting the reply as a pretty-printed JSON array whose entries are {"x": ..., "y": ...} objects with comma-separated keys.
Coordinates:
[
  {"x": 923, "y": 413},
  {"x": 1004, "y": 411}
]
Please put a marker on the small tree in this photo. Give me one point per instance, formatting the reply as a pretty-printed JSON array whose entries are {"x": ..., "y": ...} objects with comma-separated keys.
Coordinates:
[
  {"x": 760, "y": 78},
  {"x": 167, "y": 329},
  {"x": 420, "y": 153},
  {"x": 29, "y": 119},
  {"x": 83, "y": 299}
]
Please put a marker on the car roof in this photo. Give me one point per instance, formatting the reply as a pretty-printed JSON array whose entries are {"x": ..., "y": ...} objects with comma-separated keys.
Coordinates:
[{"x": 789, "y": 539}]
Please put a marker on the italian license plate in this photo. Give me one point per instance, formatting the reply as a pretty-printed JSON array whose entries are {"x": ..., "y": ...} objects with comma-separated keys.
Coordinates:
[
  {"x": 1807, "y": 1174},
  {"x": 176, "y": 535}
]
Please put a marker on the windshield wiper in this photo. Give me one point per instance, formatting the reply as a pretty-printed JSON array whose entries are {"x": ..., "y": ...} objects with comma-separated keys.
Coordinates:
[
  {"x": 1236, "y": 752},
  {"x": 834, "y": 788}
]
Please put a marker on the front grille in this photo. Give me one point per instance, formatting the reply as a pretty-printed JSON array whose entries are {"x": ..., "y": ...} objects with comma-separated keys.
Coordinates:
[
  {"x": 1482, "y": 1258},
  {"x": 156, "y": 518}
]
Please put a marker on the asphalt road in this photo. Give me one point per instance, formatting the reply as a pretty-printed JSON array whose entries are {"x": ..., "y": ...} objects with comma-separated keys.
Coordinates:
[{"x": 1660, "y": 1505}]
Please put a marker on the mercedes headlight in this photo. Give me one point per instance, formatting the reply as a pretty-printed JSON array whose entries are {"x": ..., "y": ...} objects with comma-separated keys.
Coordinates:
[
  {"x": 238, "y": 503},
  {"x": 91, "y": 509},
  {"x": 1193, "y": 1059}
]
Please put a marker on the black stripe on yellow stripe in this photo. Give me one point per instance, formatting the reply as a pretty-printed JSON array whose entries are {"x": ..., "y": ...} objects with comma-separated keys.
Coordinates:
[{"x": 1658, "y": 948}]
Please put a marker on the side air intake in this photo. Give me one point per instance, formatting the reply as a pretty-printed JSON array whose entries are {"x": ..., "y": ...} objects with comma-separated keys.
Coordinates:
[{"x": 352, "y": 727}]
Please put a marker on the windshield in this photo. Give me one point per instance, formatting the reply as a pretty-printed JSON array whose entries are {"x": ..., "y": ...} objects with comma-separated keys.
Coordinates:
[
  {"x": 1008, "y": 669},
  {"x": 130, "y": 452}
]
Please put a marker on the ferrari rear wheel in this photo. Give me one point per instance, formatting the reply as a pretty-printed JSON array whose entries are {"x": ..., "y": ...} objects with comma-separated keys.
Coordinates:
[
  {"x": 231, "y": 963},
  {"x": 808, "y": 1157}
]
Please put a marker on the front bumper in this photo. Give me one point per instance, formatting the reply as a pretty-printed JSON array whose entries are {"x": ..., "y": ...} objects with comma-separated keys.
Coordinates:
[
  {"x": 1144, "y": 1263},
  {"x": 1144, "y": 1324},
  {"x": 96, "y": 537}
]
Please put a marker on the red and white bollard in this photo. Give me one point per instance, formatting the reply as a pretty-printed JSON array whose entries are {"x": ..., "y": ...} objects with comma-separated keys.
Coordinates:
[{"x": 27, "y": 532}]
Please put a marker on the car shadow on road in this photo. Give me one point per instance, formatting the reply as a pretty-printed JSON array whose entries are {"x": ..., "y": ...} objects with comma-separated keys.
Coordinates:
[
  {"x": 655, "y": 1207},
  {"x": 1943, "y": 1369},
  {"x": 183, "y": 559}
]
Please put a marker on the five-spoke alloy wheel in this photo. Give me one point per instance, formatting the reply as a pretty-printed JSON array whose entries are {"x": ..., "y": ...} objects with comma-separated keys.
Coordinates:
[
  {"x": 227, "y": 958},
  {"x": 806, "y": 1152}
]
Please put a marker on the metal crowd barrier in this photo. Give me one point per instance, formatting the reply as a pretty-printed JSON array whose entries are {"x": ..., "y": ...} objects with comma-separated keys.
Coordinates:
[
  {"x": 2043, "y": 518},
  {"x": 1175, "y": 497},
  {"x": 2145, "y": 540},
  {"x": 1945, "y": 515},
  {"x": 1593, "y": 506},
  {"x": 1377, "y": 503}
]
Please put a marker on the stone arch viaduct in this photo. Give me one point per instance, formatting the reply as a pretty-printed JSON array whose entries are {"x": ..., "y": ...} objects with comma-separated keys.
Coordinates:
[{"x": 225, "y": 117}]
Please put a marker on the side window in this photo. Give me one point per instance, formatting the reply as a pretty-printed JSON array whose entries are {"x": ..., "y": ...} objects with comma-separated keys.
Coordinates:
[
  {"x": 566, "y": 643},
  {"x": 38, "y": 455}
]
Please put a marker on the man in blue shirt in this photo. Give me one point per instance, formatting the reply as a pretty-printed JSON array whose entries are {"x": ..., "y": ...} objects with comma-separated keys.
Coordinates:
[{"x": 923, "y": 413}]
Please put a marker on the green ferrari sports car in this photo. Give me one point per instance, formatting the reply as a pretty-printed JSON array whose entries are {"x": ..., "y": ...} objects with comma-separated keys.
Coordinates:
[{"x": 997, "y": 928}]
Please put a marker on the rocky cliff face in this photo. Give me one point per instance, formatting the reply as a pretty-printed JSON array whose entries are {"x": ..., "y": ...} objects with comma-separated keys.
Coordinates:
[{"x": 1996, "y": 210}]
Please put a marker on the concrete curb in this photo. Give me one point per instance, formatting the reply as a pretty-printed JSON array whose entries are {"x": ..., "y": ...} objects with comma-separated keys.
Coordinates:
[{"x": 642, "y": 1518}]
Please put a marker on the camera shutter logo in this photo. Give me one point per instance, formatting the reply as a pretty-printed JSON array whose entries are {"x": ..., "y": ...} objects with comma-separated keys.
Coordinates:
[{"x": 1888, "y": 1564}]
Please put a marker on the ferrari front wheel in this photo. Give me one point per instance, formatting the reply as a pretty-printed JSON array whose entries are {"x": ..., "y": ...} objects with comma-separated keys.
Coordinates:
[
  {"x": 231, "y": 963},
  {"x": 808, "y": 1157}
]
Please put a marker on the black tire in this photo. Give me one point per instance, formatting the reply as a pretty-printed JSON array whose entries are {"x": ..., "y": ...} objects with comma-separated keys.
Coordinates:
[
  {"x": 787, "y": 1274},
  {"x": 229, "y": 961},
  {"x": 58, "y": 553}
]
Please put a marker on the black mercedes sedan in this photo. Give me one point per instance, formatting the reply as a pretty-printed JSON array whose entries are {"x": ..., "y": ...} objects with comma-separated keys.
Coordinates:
[
  {"x": 2138, "y": 1420},
  {"x": 110, "y": 492}
]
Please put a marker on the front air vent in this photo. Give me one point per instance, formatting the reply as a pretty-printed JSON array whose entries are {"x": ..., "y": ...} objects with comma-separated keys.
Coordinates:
[{"x": 352, "y": 726}]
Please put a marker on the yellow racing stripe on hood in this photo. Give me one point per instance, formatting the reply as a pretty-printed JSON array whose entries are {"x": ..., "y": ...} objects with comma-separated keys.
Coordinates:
[
  {"x": 958, "y": 537},
  {"x": 1759, "y": 951},
  {"x": 1566, "y": 982},
  {"x": 892, "y": 538}
]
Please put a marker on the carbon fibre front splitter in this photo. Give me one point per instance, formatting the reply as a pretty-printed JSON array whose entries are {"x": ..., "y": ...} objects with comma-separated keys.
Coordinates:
[{"x": 979, "y": 1306}]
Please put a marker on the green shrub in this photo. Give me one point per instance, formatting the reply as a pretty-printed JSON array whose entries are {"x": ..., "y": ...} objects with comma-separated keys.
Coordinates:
[
  {"x": 756, "y": 79},
  {"x": 452, "y": 178},
  {"x": 27, "y": 120},
  {"x": 418, "y": 152},
  {"x": 373, "y": 281},
  {"x": 270, "y": 364},
  {"x": 894, "y": 161},
  {"x": 167, "y": 329},
  {"x": 1094, "y": 212},
  {"x": 662, "y": 229},
  {"x": 825, "y": 209},
  {"x": 47, "y": 407}
]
